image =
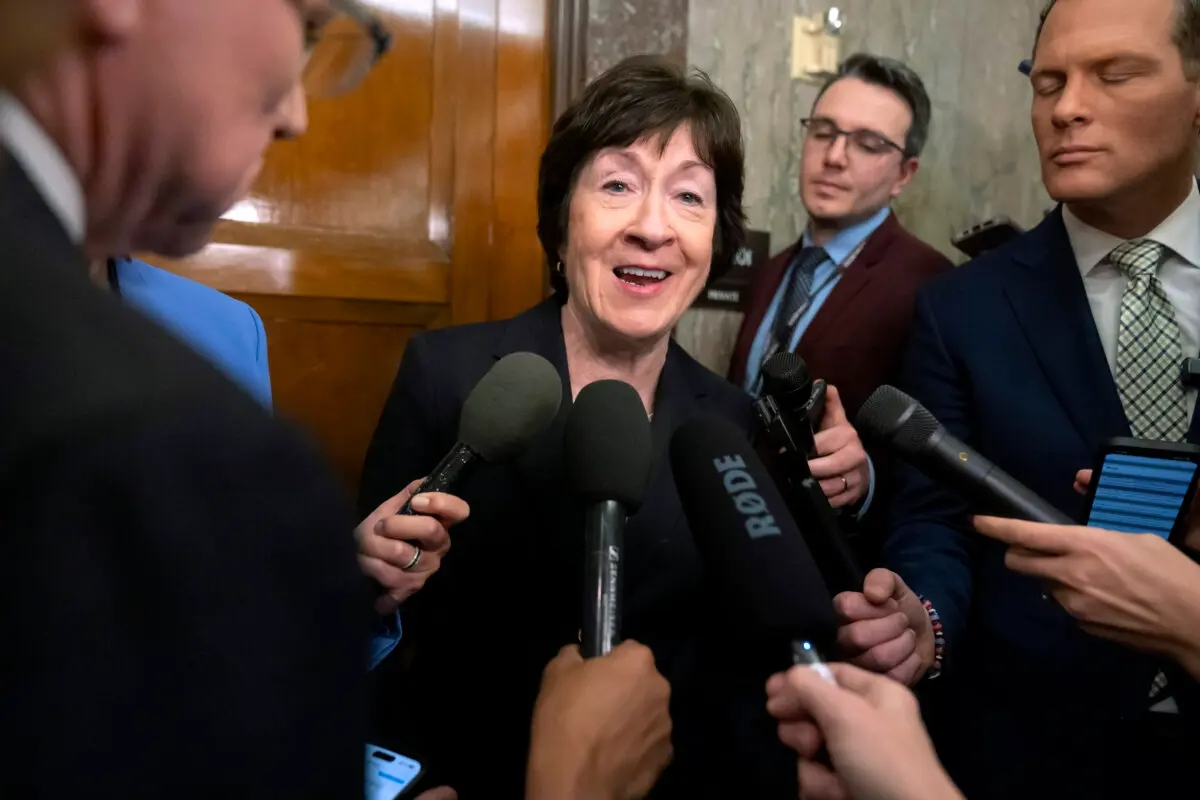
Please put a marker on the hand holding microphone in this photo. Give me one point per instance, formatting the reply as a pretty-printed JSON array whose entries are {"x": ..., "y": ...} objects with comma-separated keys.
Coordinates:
[
  {"x": 400, "y": 552},
  {"x": 601, "y": 726},
  {"x": 870, "y": 726},
  {"x": 885, "y": 628},
  {"x": 514, "y": 402},
  {"x": 841, "y": 464}
]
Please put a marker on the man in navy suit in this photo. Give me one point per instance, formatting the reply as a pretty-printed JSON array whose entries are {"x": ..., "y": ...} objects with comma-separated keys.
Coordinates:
[{"x": 1036, "y": 354}]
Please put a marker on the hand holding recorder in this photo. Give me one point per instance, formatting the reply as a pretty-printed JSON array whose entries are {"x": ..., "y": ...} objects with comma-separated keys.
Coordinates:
[
  {"x": 871, "y": 728},
  {"x": 601, "y": 726}
]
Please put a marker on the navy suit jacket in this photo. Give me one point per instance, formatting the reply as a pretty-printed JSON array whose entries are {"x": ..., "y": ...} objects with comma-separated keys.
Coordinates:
[
  {"x": 1005, "y": 353},
  {"x": 458, "y": 693}
]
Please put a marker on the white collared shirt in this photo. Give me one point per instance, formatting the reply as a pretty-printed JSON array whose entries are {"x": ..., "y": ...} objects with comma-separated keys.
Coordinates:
[
  {"x": 45, "y": 165},
  {"x": 1179, "y": 275}
]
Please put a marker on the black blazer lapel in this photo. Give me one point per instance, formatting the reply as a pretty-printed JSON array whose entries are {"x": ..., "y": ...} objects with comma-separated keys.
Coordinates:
[{"x": 1048, "y": 297}]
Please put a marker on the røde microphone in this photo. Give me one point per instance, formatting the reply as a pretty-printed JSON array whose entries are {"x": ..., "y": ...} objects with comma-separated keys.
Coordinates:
[
  {"x": 511, "y": 406},
  {"x": 606, "y": 447},
  {"x": 780, "y": 610},
  {"x": 907, "y": 428}
]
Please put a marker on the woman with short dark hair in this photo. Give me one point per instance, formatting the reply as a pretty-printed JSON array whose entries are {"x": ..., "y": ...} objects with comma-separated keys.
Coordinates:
[{"x": 640, "y": 205}]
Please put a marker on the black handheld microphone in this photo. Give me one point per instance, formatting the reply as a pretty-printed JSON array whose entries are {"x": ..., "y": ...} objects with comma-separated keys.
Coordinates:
[
  {"x": 790, "y": 408},
  {"x": 791, "y": 405},
  {"x": 511, "y": 406},
  {"x": 606, "y": 446},
  {"x": 896, "y": 420},
  {"x": 780, "y": 609}
]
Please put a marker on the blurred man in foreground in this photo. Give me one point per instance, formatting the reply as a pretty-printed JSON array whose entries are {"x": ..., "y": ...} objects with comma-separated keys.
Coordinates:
[
  {"x": 31, "y": 32},
  {"x": 182, "y": 609}
]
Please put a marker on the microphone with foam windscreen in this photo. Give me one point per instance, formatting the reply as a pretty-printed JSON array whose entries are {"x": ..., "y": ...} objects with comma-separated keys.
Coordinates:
[
  {"x": 606, "y": 447},
  {"x": 780, "y": 610},
  {"x": 511, "y": 406},
  {"x": 789, "y": 410},
  {"x": 914, "y": 435},
  {"x": 791, "y": 404}
]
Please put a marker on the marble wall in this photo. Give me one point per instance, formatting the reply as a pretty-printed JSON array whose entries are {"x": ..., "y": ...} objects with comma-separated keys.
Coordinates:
[
  {"x": 980, "y": 160},
  {"x": 620, "y": 28}
]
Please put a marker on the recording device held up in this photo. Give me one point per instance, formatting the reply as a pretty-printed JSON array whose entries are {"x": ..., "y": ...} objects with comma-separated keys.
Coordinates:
[
  {"x": 791, "y": 404},
  {"x": 790, "y": 410},
  {"x": 606, "y": 449},
  {"x": 898, "y": 422},
  {"x": 507, "y": 410},
  {"x": 779, "y": 609}
]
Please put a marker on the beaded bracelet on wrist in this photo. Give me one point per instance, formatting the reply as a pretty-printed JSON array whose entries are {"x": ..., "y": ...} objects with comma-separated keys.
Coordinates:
[{"x": 939, "y": 639}]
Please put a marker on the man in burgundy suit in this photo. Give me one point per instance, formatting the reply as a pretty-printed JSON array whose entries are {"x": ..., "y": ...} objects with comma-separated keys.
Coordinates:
[{"x": 842, "y": 296}]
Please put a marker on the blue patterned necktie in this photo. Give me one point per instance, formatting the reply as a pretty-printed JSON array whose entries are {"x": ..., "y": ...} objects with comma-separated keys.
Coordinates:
[{"x": 796, "y": 300}]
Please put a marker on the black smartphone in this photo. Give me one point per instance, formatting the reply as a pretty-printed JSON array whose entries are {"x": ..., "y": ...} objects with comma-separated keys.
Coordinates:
[{"x": 1141, "y": 486}]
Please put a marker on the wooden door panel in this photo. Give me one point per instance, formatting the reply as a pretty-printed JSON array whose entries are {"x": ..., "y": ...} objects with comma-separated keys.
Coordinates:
[
  {"x": 333, "y": 361},
  {"x": 409, "y": 203}
]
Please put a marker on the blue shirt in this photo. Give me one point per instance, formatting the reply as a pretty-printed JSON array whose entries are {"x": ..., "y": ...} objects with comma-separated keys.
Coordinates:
[
  {"x": 227, "y": 332},
  {"x": 826, "y": 276}
]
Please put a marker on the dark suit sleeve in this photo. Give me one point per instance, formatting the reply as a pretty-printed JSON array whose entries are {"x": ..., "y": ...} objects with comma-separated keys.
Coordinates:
[
  {"x": 930, "y": 545},
  {"x": 184, "y": 616},
  {"x": 405, "y": 444}
]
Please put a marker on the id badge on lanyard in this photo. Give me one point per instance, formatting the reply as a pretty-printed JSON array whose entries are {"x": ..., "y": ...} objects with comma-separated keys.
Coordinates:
[{"x": 774, "y": 347}]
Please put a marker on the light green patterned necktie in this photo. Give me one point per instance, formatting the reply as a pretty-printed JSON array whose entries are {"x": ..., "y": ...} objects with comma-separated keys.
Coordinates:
[
  {"x": 1148, "y": 357},
  {"x": 1148, "y": 347}
]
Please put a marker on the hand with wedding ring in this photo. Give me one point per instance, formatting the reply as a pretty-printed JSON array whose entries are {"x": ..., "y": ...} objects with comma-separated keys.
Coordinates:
[
  {"x": 401, "y": 552},
  {"x": 841, "y": 465}
]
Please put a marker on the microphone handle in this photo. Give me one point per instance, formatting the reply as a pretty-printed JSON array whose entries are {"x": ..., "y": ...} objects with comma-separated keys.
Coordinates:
[
  {"x": 450, "y": 472},
  {"x": 604, "y": 530},
  {"x": 823, "y": 533},
  {"x": 986, "y": 485}
]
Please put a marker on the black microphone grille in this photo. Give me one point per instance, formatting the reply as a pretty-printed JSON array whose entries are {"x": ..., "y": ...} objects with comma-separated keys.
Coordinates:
[
  {"x": 892, "y": 416},
  {"x": 607, "y": 445},
  {"x": 787, "y": 369},
  {"x": 511, "y": 406}
]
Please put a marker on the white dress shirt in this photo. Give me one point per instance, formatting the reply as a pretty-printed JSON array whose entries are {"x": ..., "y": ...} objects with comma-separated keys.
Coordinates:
[
  {"x": 1179, "y": 275},
  {"x": 45, "y": 165}
]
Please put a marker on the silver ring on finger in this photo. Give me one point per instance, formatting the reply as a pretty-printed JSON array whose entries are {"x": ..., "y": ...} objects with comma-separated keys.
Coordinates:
[
  {"x": 845, "y": 483},
  {"x": 416, "y": 559}
]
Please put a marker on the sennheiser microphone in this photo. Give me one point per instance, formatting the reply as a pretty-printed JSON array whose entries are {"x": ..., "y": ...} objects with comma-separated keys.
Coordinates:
[
  {"x": 780, "y": 610},
  {"x": 899, "y": 422},
  {"x": 511, "y": 406},
  {"x": 606, "y": 447}
]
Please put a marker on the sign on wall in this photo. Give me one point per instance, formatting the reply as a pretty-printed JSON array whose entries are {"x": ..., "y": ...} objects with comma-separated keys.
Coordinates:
[{"x": 729, "y": 291}]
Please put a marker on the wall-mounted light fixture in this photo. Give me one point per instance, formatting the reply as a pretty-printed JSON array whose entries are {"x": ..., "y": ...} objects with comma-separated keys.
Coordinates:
[{"x": 816, "y": 45}]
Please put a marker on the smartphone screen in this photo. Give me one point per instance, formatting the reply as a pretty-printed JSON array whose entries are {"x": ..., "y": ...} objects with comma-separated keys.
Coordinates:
[
  {"x": 1141, "y": 493},
  {"x": 389, "y": 774}
]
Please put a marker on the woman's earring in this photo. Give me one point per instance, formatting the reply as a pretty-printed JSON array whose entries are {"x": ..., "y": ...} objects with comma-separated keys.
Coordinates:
[{"x": 558, "y": 268}]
